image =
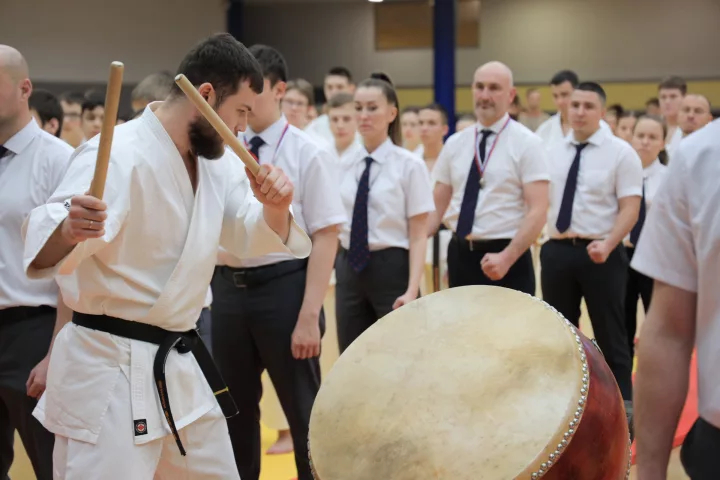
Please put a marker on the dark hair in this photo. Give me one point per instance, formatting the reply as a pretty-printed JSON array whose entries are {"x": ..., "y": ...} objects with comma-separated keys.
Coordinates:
[
  {"x": 304, "y": 87},
  {"x": 272, "y": 63},
  {"x": 663, "y": 155},
  {"x": 617, "y": 109},
  {"x": 673, "y": 82},
  {"x": 47, "y": 107},
  {"x": 565, "y": 76},
  {"x": 652, "y": 101},
  {"x": 72, "y": 98},
  {"x": 156, "y": 86},
  {"x": 223, "y": 62},
  {"x": 593, "y": 87},
  {"x": 627, "y": 114},
  {"x": 436, "y": 107},
  {"x": 340, "y": 99},
  {"x": 381, "y": 81},
  {"x": 410, "y": 109},
  {"x": 93, "y": 99},
  {"x": 340, "y": 72}
]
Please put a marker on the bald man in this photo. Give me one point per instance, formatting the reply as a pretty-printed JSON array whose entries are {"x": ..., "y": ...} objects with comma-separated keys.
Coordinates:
[
  {"x": 32, "y": 163},
  {"x": 695, "y": 113},
  {"x": 492, "y": 190}
]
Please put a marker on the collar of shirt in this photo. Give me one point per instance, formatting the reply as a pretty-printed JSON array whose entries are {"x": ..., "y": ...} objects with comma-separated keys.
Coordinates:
[
  {"x": 18, "y": 142},
  {"x": 156, "y": 127},
  {"x": 379, "y": 155},
  {"x": 596, "y": 138},
  {"x": 653, "y": 168},
  {"x": 271, "y": 135},
  {"x": 495, "y": 127}
]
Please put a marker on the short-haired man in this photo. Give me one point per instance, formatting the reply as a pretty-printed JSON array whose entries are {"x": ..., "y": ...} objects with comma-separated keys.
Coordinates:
[
  {"x": 671, "y": 92},
  {"x": 595, "y": 195},
  {"x": 71, "y": 132},
  {"x": 695, "y": 113},
  {"x": 48, "y": 112},
  {"x": 338, "y": 79}
]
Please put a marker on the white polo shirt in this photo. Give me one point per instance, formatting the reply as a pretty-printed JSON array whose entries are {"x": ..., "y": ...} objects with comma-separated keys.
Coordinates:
[
  {"x": 610, "y": 169},
  {"x": 310, "y": 167},
  {"x": 679, "y": 245},
  {"x": 399, "y": 190},
  {"x": 30, "y": 171},
  {"x": 518, "y": 157},
  {"x": 653, "y": 176}
]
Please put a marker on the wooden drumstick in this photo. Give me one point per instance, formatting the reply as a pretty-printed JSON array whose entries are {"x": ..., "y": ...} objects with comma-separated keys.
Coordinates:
[
  {"x": 112, "y": 101},
  {"x": 211, "y": 116}
]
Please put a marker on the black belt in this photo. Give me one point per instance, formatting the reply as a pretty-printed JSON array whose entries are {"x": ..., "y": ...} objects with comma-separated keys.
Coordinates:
[
  {"x": 17, "y": 314},
  {"x": 184, "y": 342},
  {"x": 256, "y": 276},
  {"x": 480, "y": 244},
  {"x": 573, "y": 241}
]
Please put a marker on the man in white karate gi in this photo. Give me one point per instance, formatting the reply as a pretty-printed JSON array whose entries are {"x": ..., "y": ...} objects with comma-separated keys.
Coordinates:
[{"x": 131, "y": 391}]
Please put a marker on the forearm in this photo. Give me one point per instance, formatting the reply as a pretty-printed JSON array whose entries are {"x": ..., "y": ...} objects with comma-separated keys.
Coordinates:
[
  {"x": 55, "y": 250},
  {"x": 278, "y": 220},
  {"x": 418, "y": 247},
  {"x": 320, "y": 265},
  {"x": 660, "y": 391},
  {"x": 434, "y": 222},
  {"x": 527, "y": 234},
  {"x": 626, "y": 219}
]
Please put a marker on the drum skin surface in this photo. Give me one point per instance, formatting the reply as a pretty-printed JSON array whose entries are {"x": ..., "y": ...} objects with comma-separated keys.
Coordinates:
[{"x": 476, "y": 383}]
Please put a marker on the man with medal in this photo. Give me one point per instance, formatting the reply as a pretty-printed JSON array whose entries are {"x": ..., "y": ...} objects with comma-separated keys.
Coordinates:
[{"x": 491, "y": 190}]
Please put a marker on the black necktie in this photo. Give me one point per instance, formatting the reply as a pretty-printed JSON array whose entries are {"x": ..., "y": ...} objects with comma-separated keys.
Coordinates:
[
  {"x": 466, "y": 218},
  {"x": 359, "y": 253},
  {"x": 565, "y": 215},
  {"x": 3, "y": 151},
  {"x": 635, "y": 232},
  {"x": 255, "y": 144}
]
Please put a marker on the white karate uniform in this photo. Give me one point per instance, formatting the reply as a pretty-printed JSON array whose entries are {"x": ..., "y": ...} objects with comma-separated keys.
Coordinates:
[{"x": 153, "y": 265}]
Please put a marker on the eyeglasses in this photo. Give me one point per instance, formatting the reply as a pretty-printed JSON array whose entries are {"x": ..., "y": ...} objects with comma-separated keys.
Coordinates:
[{"x": 295, "y": 103}]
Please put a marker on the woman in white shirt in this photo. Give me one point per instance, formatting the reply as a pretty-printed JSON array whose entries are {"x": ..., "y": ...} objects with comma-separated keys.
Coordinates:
[
  {"x": 648, "y": 140},
  {"x": 387, "y": 194}
]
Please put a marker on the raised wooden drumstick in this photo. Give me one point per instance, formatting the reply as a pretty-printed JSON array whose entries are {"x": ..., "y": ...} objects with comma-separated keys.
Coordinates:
[
  {"x": 112, "y": 101},
  {"x": 211, "y": 116}
]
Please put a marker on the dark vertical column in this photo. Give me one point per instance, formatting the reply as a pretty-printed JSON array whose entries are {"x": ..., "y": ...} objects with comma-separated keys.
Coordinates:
[
  {"x": 444, "y": 33},
  {"x": 234, "y": 18}
]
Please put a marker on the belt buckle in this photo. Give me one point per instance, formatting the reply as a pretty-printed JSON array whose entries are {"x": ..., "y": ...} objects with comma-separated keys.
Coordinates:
[{"x": 239, "y": 279}]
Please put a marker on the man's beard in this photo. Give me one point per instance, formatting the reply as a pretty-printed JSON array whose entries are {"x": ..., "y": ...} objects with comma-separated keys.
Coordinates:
[{"x": 204, "y": 140}]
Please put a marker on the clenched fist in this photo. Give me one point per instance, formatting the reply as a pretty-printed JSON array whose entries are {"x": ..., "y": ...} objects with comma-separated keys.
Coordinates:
[
  {"x": 271, "y": 186},
  {"x": 86, "y": 219}
]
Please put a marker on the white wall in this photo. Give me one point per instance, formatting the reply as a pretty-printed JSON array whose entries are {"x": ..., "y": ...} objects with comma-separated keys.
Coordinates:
[
  {"x": 601, "y": 39},
  {"x": 75, "y": 40}
]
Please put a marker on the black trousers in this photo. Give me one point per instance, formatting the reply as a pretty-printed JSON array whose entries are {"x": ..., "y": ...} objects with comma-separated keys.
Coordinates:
[
  {"x": 23, "y": 344},
  {"x": 254, "y": 313},
  {"x": 699, "y": 453},
  {"x": 638, "y": 285},
  {"x": 361, "y": 299},
  {"x": 567, "y": 275},
  {"x": 464, "y": 265}
]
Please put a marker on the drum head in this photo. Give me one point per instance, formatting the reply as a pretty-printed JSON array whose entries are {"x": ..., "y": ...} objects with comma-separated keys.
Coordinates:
[{"x": 468, "y": 383}]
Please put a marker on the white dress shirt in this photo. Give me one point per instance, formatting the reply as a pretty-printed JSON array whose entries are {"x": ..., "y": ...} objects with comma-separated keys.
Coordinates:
[
  {"x": 653, "y": 177},
  {"x": 350, "y": 153},
  {"x": 311, "y": 169},
  {"x": 153, "y": 265},
  {"x": 672, "y": 145},
  {"x": 518, "y": 158},
  {"x": 399, "y": 190},
  {"x": 30, "y": 171},
  {"x": 320, "y": 127},
  {"x": 610, "y": 169},
  {"x": 679, "y": 246},
  {"x": 551, "y": 130}
]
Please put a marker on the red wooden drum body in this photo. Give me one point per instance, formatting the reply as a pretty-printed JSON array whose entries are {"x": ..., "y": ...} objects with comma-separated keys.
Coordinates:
[{"x": 470, "y": 383}]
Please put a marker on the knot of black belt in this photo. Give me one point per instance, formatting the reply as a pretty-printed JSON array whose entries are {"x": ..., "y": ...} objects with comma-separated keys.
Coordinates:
[{"x": 183, "y": 342}]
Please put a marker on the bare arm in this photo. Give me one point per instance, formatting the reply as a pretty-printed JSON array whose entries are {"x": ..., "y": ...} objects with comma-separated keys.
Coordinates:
[
  {"x": 536, "y": 196},
  {"x": 668, "y": 337},
  {"x": 279, "y": 220},
  {"x": 442, "y": 195},
  {"x": 629, "y": 210},
  {"x": 418, "y": 250},
  {"x": 320, "y": 265}
]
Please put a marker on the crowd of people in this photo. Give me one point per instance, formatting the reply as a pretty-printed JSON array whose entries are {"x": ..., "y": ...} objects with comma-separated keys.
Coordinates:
[{"x": 384, "y": 205}]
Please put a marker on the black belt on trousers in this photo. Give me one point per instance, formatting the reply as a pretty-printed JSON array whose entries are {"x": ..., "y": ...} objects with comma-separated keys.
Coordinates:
[{"x": 183, "y": 342}]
